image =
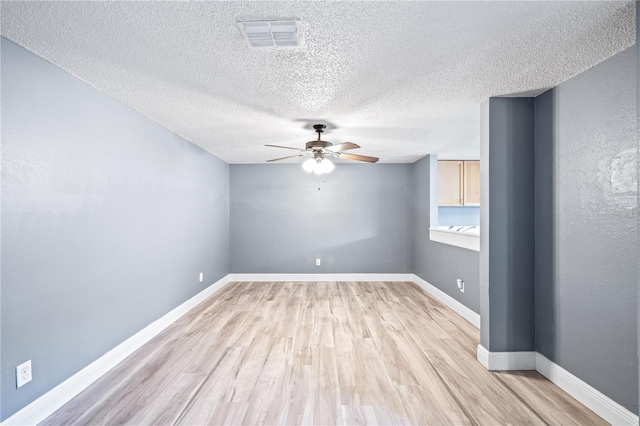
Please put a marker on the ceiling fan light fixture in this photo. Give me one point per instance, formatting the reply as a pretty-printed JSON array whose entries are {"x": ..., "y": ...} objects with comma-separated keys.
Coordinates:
[
  {"x": 318, "y": 166},
  {"x": 309, "y": 165},
  {"x": 271, "y": 34},
  {"x": 327, "y": 166}
]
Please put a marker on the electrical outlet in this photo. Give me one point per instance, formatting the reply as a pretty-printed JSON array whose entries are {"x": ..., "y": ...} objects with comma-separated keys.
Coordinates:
[
  {"x": 317, "y": 262},
  {"x": 460, "y": 285},
  {"x": 201, "y": 276},
  {"x": 23, "y": 374}
]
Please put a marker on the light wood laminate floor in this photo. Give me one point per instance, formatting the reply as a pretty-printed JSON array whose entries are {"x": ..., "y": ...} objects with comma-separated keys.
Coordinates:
[{"x": 318, "y": 353}]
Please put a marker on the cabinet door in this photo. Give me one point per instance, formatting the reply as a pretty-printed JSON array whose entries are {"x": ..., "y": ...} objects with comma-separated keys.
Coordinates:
[
  {"x": 450, "y": 183},
  {"x": 471, "y": 183}
]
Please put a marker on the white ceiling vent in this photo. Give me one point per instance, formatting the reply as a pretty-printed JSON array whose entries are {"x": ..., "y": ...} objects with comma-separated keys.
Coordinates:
[{"x": 271, "y": 34}]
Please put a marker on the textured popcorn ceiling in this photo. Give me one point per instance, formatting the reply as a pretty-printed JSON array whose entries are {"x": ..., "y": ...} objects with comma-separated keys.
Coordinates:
[{"x": 401, "y": 79}]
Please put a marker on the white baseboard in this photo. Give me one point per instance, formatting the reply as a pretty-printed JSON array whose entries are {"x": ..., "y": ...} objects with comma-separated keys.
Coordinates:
[
  {"x": 47, "y": 404},
  {"x": 482, "y": 355},
  {"x": 502, "y": 361},
  {"x": 452, "y": 303},
  {"x": 319, "y": 277},
  {"x": 592, "y": 398}
]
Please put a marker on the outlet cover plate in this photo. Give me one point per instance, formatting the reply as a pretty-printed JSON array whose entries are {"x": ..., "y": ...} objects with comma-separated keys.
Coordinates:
[
  {"x": 23, "y": 374},
  {"x": 201, "y": 276}
]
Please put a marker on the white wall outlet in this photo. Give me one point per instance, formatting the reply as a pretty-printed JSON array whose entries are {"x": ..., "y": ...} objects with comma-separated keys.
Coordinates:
[
  {"x": 317, "y": 262},
  {"x": 460, "y": 285},
  {"x": 23, "y": 374},
  {"x": 201, "y": 276}
]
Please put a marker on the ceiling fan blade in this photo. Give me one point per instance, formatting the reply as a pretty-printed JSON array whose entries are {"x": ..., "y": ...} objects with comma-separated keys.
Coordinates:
[
  {"x": 343, "y": 147},
  {"x": 283, "y": 158},
  {"x": 359, "y": 158},
  {"x": 285, "y": 147}
]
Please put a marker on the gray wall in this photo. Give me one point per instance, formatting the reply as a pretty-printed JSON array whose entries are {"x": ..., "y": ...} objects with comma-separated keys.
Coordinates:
[
  {"x": 107, "y": 219},
  {"x": 439, "y": 264},
  {"x": 586, "y": 227},
  {"x": 507, "y": 225},
  {"x": 358, "y": 221}
]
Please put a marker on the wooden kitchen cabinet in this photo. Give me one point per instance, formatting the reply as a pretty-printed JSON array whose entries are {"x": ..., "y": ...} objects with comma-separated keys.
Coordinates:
[
  {"x": 471, "y": 183},
  {"x": 458, "y": 183},
  {"x": 450, "y": 175}
]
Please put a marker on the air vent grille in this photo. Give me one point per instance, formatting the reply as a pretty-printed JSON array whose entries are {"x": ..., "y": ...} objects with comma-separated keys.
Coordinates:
[{"x": 271, "y": 34}]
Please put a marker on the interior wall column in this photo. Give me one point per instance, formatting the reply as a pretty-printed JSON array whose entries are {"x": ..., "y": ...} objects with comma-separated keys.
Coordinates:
[{"x": 507, "y": 206}]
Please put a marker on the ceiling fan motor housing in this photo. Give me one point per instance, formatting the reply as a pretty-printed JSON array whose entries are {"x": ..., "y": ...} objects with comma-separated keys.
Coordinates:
[{"x": 317, "y": 145}]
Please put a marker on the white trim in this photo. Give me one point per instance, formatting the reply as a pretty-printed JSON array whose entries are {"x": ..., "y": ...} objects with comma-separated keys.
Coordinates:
[
  {"x": 458, "y": 239},
  {"x": 452, "y": 303},
  {"x": 503, "y": 361},
  {"x": 319, "y": 277},
  {"x": 592, "y": 398},
  {"x": 482, "y": 354},
  {"x": 47, "y": 404}
]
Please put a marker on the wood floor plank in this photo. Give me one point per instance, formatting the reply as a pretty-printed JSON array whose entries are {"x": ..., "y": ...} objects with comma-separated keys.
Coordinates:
[
  {"x": 545, "y": 394},
  {"x": 318, "y": 353}
]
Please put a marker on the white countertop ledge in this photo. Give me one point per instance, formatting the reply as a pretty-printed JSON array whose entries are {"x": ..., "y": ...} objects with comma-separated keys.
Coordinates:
[{"x": 469, "y": 240}]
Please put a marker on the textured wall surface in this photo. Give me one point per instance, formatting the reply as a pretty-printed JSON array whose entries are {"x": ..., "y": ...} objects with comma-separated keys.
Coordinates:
[
  {"x": 359, "y": 220},
  {"x": 507, "y": 225},
  {"x": 107, "y": 219},
  {"x": 586, "y": 227},
  {"x": 439, "y": 264}
]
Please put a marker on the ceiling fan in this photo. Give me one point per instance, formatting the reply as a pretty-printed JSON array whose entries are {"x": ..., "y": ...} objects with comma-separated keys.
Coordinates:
[{"x": 320, "y": 150}]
